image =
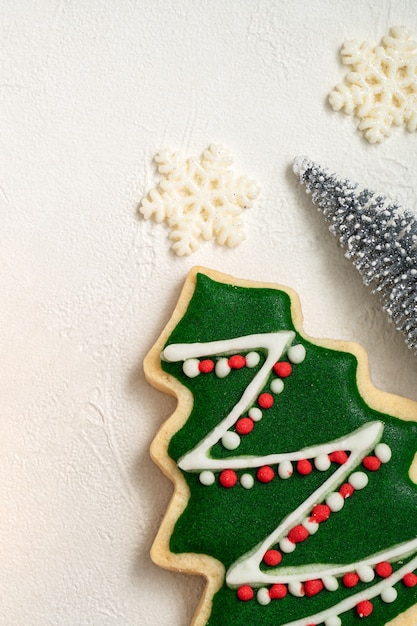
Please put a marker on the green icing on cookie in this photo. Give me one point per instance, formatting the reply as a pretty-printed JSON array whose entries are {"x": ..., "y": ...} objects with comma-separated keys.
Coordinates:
[{"x": 320, "y": 403}]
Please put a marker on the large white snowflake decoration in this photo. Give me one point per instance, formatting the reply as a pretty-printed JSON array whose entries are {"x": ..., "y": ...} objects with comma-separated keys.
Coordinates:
[
  {"x": 381, "y": 89},
  {"x": 199, "y": 199}
]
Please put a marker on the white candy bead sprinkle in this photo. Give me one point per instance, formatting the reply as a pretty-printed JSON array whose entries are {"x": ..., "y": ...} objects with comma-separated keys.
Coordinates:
[
  {"x": 296, "y": 589},
  {"x": 247, "y": 481},
  {"x": 252, "y": 359},
  {"x": 330, "y": 583},
  {"x": 322, "y": 462},
  {"x": 190, "y": 368},
  {"x": 366, "y": 573},
  {"x": 285, "y": 469},
  {"x": 222, "y": 368},
  {"x": 286, "y": 545},
  {"x": 389, "y": 595},
  {"x": 207, "y": 478},
  {"x": 296, "y": 354},
  {"x": 383, "y": 452},
  {"x": 230, "y": 440},
  {"x": 255, "y": 414},
  {"x": 277, "y": 385},
  {"x": 263, "y": 596},
  {"x": 335, "y": 501},
  {"x": 312, "y": 527},
  {"x": 358, "y": 480}
]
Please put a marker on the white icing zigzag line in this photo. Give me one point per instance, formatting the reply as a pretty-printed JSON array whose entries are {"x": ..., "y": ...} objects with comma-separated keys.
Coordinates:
[
  {"x": 350, "y": 603},
  {"x": 246, "y": 569},
  {"x": 318, "y": 570},
  {"x": 275, "y": 344},
  {"x": 349, "y": 443}
]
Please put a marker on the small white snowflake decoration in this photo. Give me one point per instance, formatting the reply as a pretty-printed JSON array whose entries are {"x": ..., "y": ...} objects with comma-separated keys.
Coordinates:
[
  {"x": 199, "y": 199},
  {"x": 381, "y": 89}
]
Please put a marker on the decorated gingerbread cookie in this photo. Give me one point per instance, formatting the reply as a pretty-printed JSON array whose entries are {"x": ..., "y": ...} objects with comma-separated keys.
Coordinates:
[{"x": 295, "y": 479}]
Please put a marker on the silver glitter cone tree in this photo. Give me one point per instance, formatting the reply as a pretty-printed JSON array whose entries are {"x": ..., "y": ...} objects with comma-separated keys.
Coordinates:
[{"x": 380, "y": 237}]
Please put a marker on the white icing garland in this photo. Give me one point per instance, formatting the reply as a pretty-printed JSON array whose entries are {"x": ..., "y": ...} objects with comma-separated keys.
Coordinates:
[{"x": 301, "y": 574}]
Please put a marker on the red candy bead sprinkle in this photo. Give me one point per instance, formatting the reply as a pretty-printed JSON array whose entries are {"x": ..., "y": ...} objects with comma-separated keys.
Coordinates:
[
  {"x": 265, "y": 400},
  {"x": 298, "y": 534},
  {"x": 313, "y": 587},
  {"x": 304, "y": 467},
  {"x": 206, "y": 366},
  {"x": 384, "y": 569},
  {"x": 364, "y": 608},
  {"x": 320, "y": 513},
  {"x": 272, "y": 558},
  {"x": 282, "y": 369},
  {"x": 346, "y": 490},
  {"x": 339, "y": 456},
  {"x": 236, "y": 362},
  {"x": 410, "y": 580},
  {"x": 277, "y": 591},
  {"x": 245, "y": 593},
  {"x": 228, "y": 478},
  {"x": 265, "y": 474},
  {"x": 244, "y": 425},
  {"x": 350, "y": 580},
  {"x": 371, "y": 463}
]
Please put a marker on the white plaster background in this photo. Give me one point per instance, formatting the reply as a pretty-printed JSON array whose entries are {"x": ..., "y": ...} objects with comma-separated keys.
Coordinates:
[{"x": 89, "y": 91}]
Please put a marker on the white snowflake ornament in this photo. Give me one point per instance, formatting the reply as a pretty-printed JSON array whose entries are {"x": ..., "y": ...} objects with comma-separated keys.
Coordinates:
[
  {"x": 381, "y": 89},
  {"x": 199, "y": 199}
]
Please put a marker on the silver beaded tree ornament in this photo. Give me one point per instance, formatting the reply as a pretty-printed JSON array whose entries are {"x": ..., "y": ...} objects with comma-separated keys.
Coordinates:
[{"x": 380, "y": 237}]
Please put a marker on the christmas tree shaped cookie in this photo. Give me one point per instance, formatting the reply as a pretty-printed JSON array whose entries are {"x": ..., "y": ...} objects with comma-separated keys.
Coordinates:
[{"x": 295, "y": 479}]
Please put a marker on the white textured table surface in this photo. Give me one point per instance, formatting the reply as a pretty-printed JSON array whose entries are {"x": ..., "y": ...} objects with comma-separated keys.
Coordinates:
[{"x": 89, "y": 91}]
